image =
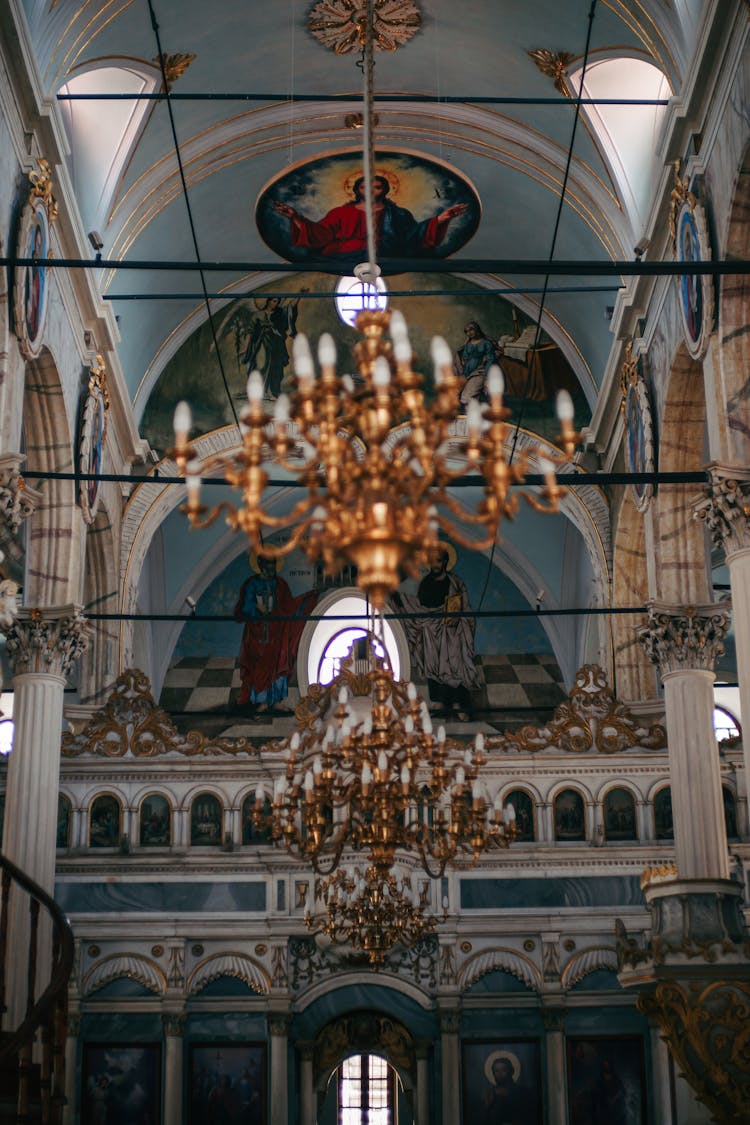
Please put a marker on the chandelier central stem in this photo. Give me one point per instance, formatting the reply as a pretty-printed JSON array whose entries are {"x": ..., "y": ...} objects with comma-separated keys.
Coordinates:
[{"x": 367, "y": 142}]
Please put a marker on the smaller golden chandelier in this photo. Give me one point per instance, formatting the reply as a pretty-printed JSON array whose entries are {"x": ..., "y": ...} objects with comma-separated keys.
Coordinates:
[
  {"x": 365, "y": 772},
  {"x": 371, "y": 912},
  {"x": 376, "y": 457}
]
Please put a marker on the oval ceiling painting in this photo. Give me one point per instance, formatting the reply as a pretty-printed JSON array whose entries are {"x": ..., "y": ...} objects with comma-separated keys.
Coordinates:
[{"x": 314, "y": 211}]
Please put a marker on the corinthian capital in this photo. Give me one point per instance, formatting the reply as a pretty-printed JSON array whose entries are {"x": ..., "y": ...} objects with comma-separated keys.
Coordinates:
[
  {"x": 47, "y": 640},
  {"x": 678, "y": 638},
  {"x": 725, "y": 506}
]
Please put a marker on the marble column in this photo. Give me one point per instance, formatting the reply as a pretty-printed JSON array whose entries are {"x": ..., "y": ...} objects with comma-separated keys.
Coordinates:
[
  {"x": 663, "y": 1107},
  {"x": 278, "y": 1026},
  {"x": 174, "y": 1027},
  {"x": 554, "y": 1022},
  {"x": 450, "y": 1022},
  {"x": 71, "y": 1055},
  {"x": 41, "y": 646},
  {"x": 422, "y": 1106},
  {"x": 306, "y": 1089},
  {"x": 725, "y": 509},
  {"x": 685, "y": 642}
]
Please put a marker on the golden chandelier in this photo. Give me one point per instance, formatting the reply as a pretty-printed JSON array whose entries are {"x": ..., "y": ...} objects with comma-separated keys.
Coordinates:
[
  {"x": 371, "y": 912},
  {"x": 376, "y": 457},
  {"x": 365, "y": 772}
]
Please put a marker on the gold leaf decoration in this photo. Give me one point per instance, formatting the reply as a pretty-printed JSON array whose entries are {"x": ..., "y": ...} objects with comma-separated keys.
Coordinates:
[
  {"x": 339, "y": 25},
  {"x": 554, "y": 65},
  {"x": 174, "y": 66}
]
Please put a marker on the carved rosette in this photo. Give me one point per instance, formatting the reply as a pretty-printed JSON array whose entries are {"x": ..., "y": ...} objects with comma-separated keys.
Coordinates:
[
  {"x": 679, "y": 639},
  {"x": 340, "y": 25},
  {"x": 40, "y": 642},
  {"x": 725, "y": 507},
  {"x": 706, "y": 1023}
]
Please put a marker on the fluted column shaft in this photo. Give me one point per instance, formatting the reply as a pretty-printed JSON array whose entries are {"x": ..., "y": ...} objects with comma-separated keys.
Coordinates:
[
  {"x": 422, "y": 1107},
  {"x": 449, "y": 1026},
  {"x": 306, "y": 1091},
  {"x": 41, "y": 646},
  {"x": 554, "y": 1020},
  {"x": 173, "y": 1031},
  {"x": 278, "y": 1025},
  {"x": 684, "y": 643},
  {"x": 71, "y": 1054},
  {"x": 726, "y": 512}
]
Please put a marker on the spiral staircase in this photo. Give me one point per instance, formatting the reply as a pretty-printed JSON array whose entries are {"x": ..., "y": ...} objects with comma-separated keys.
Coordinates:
[{"x": 32, "y": 1054}]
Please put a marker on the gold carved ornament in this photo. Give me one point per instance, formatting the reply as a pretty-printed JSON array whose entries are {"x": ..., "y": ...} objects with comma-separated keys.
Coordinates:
[
  {"x": 41, "y": 189},
  {"x": 591, "y": 720},
  {"x": 554, "y": 65},
  {"x": 98, "y": 380},
  {"x": 131, "y": 722},
  {"x": 707, "y": 1028},
  {"x": 341, "y": 25},
  {"x": 173, "y": 66},
  {"x": 679, "y": 195}
]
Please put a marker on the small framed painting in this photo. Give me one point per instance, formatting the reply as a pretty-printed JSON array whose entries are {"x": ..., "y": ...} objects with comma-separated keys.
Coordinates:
[
  {"x": 93, "y": 434},
  {"x": 501, "y": 1082},
  {"x": 227, "y": 1083},
  {"x": 606, "y": 1080},
  {"x": 692, "y": 244},
  {"x": 121, "y": 1084},
  {"x": 640, "y": 448}
]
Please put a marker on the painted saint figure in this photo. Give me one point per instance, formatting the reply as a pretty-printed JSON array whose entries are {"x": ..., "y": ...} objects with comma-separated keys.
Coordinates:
[
  {"x": 266, "y": 343},
  {"x": 505, "y": 1102},
  {"x": 35, "y": 277},
  {"x": 342, "y": 232},
  {"x": 442, "y": 646},
  {"x": 269, "y": 648}
]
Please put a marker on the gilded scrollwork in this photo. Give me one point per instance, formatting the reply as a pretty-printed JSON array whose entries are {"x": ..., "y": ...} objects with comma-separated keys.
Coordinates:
[
  {"x": 590, "y": 720},
  {"x": 554, "y": 65},
  {"x": 132, "y": 723},
  {"x": 706, "y": 1023}
]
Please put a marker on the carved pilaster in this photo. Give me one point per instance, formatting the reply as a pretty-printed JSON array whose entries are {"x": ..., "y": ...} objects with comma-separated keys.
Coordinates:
[
  {"x": 682, "y": 638},
  {"x": 72, "y": 1025},
  {"x": 450, "y": 1022},
  {"x": 278, "y": 1023},
  {"x": 725, "y": 507},
  {"x": 47, "y": 640},
  {"x": 17, "y": 500}
]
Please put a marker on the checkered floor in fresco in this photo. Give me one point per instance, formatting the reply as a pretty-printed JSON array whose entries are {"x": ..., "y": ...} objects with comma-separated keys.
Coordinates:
[{"x": 518, "y": 689}]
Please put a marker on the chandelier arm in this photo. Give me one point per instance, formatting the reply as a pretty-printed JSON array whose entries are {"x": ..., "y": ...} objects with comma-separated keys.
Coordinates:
[
  {"x": 198, "y": 521},
  {"x": 548, "y": 506},
  {"x": 271, "y": 550}
]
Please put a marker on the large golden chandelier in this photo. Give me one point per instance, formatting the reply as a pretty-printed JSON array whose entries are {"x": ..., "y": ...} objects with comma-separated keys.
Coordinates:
[
  {"x": 376, "y": 458},
  {"x": 365, "y": 772},
  {"x": 372, "y": 912}
]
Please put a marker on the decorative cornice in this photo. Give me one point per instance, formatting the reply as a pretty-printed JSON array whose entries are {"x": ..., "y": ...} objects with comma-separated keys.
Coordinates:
[
  {"x": 554, "y": 65},
  {"x": 725, "y": 506},
  {"x": 47, "y": 640},
  {"x": 591, "y": 720},
  {"x": 132, "y": 966},
  {"x": 678, "y": 639},
  {"x": 499, "y": 959},
  {"x": 131, "y": 723},
  {"x": 339, "y": 25},
  {"x": 237, "y": 965}
]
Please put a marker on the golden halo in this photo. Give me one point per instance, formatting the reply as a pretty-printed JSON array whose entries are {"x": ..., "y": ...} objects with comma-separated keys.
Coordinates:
[
  {"x": 450, "y": 550},
  {"x": 511, "y": 1058},
  {"x": 386, "y": 173},
  {"x": 254, "y": 564}
]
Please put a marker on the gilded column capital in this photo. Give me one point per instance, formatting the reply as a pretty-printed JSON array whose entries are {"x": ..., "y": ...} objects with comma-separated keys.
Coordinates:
[
  {"x": 17, "y": 500},
  {"x": 681, "y": 638},
  {"x": 279, "y": 1022},
  {"x": 725, "y": 506},
  {"x": 47, "y": 640},
  {"x": 450, "y": 1022}
]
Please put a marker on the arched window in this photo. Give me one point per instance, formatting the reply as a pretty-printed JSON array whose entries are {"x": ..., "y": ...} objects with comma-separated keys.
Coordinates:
[
  {"x": 64, "y": 810},
  {"x": 205, "y": 820},
  {"x": 105, "y": 821},
  {"x": 725, "y": 726},
  {"x": 619, "y": 815},
  {"x": 524, "y": 807},
  {"x": 570, "y": 823},
  {"x": 730, "y": 813},
  {"x": 328, "y": 641},
  {"x": 663, "y": 814},
  {"x": 154, "y": 822},
  {"x": 251, "y": 834},
  {"x": 366, "y": 1091}
]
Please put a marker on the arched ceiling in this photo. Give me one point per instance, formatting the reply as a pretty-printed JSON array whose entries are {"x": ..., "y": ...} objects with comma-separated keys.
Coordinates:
[{"x": 514, "y": 155}]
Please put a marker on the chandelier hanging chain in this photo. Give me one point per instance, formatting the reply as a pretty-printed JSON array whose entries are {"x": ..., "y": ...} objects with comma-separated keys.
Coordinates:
[{"x": 368, "y": 143}]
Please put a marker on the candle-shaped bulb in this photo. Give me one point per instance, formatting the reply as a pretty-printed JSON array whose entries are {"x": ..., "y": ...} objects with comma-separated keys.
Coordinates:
[
  {"x": 326, "y": 350},
  {"x": 281, "y": 410},
  {"x": 343, "y": 695},
  {"x": 440, "y": 352},
  {"x": 303, "y": 364},
  {"x": 193, "y": 480},
  {"x": 565, "y": 408},
  {"x": 397, "y": 325},
  {"x": 255, "y": 387},
  {"x": 381, "y": 375},
  {"x": 495, "y": 382},
  {"x": 479, "y": 742},
  {"x": 474, "y": 418},
  {"x": 411, "y": 691},
  {"x": 183, "y": 422},
  {"x": 460, "y": 775},
  {"x": 382, "y": 761}
]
